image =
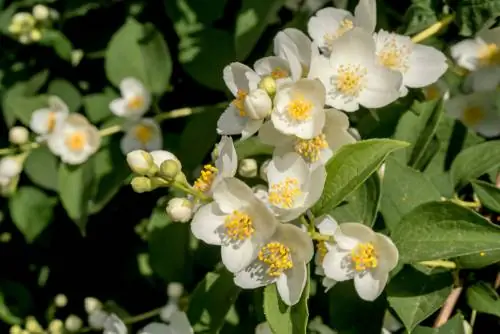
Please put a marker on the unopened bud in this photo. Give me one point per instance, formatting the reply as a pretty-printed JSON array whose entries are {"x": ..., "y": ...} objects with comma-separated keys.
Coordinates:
[
  {"x": 141, "y": 184},
  {"x": 180, "y": 209},
  {"x": 61, "y": 300},
  {"x": 175, "y": 290},
  {"x": 258, "y": 104},
  {"x": 91, "y": 304},
  {"x": 158, "y": 182},
  {"x": 15, "y": 28},
  {"x": 35, "y": 35},
  {"x": 10, "y": 167},
  {"x": 56, "y": 326},
  {"x": 169, "y": 169},
  {"x": 160, "y": 156},
  {"x": 18, "y": 135},
  {"x": 268, "y": 84},
  {"x": 73, "y": 323},
  {"x": 32, "y": 325},
  {"x": 467, "y": 327},
  {"x": 181, "y": 178},
  {"x": 41, "y": 12},
  {"x": 263, "y": 170},
  {"x": 248, "y": 168},
  {"x": 141, "y": 162},
  {"x": 16, "y": 329}
]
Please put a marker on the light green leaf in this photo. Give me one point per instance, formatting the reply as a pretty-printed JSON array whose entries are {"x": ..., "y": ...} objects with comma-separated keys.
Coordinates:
[
  {"x": 251, "y": 147},
  {"x": 415, "y": 296},
  {"x": 284, "y": 319},
  {"x": 488, "y": 194},
  {"x": 251, "y": 21},
  {"x": 473, "y": 14},
  {"x": 453, "y": 326},
  {"x": 440, "y": 230},
  {"x": 32, "y": 211},
  {"x": 41, "y": 167},
  {"x": 139, "y": 51},
  {"x": 75, "y": 190},
  {"x": 403, "y": 189},
  {"x": 350, "y": 166},
  {"x": 362, "y": 204},
  {"x": 36, "y": 82},
  {"x": 474, "y": 162},
  {"x": 67, "y": 92},
  {"x": 97, "y": 105},
  {"x": 483, "y": 298},
  {"x": 60, "y": 43},
  {"x": 24, "y": 106},
  {"x": 211, "y": 301}
]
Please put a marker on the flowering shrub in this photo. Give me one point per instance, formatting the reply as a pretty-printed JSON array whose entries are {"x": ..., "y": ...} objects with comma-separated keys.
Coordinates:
[{"x": 346, "y": 180}]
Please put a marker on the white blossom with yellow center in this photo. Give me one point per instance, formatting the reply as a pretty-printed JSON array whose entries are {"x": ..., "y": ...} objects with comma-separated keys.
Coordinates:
[
  {"x": 478, "y": 111},
  {"x": 45, "y": 120},
  {"x": 294, "y": 187},
  {"x": 298, "y": 109},
  {"x": 363, "y": 255},
  {"x": 353, "y": 77},
  {"x": 327, "y": 226},
  {"x": 75, "y": 140},
  {"x": 237, "y": 221},
  {"x": 145, "y": 134},
  {"x": 481, "y": 51},
  {"x": 317, "y": 150},
  {"x": 135, "y": 99},
  {"x": 296, "y": 49},
  {"x": 277, "y": 68},
  {"x": 329, "y": 23},
  {"x": 282, "y": 260},
  {"x": 420, "y": 65}
]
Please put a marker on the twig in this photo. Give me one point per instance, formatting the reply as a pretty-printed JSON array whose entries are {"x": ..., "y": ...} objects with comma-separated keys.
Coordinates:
[{"x": 448, "y": 307}]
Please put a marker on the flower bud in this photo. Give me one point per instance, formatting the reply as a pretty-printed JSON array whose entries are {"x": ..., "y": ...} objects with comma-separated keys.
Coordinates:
[
  {"x": 41, "y": 12},
  {"x": 15, "y": 28},
  {"x": 268, "y": 84},
  {"x": 91, "y": 304},
  {"x": 56, "y": 326},
  {"x": 10, "y": 167},
  {"x": 32, "y": 325},
  {"x": 18, "y": 135},
  {"x": 263, "y": 170},
  {"x": 73, "y": 323},
  {"x": 141, "y": 162},
  {"x": 160, "y": 156},
  {"x": 97, "y": 319},
  {"x": 16, "y": 329},
  {"x": 248, "y": 168},
  {"x": 258, "y": 104},
  {"x": 141, "y": 184},
  {"x": 35, "y": 35},
  {"x": 61, "y": 300},
  {"x": 169, "y": 169},
  {"x": 180, "y": 209},
  {"x": 175, "y": 290},
  {"x": 158, "y": 182}
]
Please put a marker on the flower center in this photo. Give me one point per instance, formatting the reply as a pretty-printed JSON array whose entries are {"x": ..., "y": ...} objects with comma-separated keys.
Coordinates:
[
  {"x": 76, "y": 141},
  {"x": 135, "y": 102},
  {"x": 284, "y": 193},
  {"x": 279, "y": 73},
  {"x": 394, "y": 55},
  {"x": 322, "y": 250},
  {"x": 344, "y": 26},
  {"x": 472, "y": 116},
  {"x": 299, "y": 109},
  {"x": 310, "y": 149},
  {"x": 349, "y": 79},
  {"x": 489, "y": 55},
  {"x": 364, "y": 257},
  {"x": 277, "y": 256},
  {"x": 144, "y": 133},
  {"x": 238, "y": 226},
  {"x": 238, "y": 102},
  {"x": 207, "y": 176},
  {"x": 51, "y": 121}
]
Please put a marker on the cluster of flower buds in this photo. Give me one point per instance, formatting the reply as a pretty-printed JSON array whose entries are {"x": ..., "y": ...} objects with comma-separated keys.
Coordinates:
[{"x": 29, "y": 27}]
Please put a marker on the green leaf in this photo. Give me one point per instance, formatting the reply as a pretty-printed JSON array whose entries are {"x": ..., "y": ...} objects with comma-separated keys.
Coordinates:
[
  {"x": 284, "y": 319},
  {"x": 60, "y": 43},
  {"x": 474, "y": 162},
  {"x": 67, "y": 92},
  {"x": 439, "y": 230},
  {"x": 188, "y": 14},
  {"x": 420, "y": 15},
  {"x": 32, "y": 211},
  {"x": 16, "y": 302},
  {"x": 25, "y": 106},
  {"x": 488, "y": 194},
  {"x": 415, "y": 296},
  {"x": 403, "y": 189},
  {"x": 75, "y": 190},
  {"x": 251, "y": 147},
  {"x": 483, "y": 298},
  {"x": 453, "y": 326},
  {"x": 5, "y": 313},
  {"x": 41, "y": 167},
  {"x": 473, "y": 14},
  {"x": 350, "y": 166},
  {"x": 477, "y": 261},
  {"x": 97, "y": 105},
  {"x": 211, "y": 300},
  {"x": 251, "y": 21},
  {"x": 36, "y": 82},
  {"x": 139, "y": 51},
  {"x": 362, "y": 204}
]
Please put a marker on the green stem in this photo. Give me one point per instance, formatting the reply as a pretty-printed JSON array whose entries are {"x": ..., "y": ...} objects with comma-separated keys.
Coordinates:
[
  {"x": 439, "y": 264},
  {"x": 189, "y": 190},
  {"x": 131, "y": 320},
  {"x": 473, "y": 319},
  {"x": 433, "y": 29},
  {"x": 471, "y": 205}
]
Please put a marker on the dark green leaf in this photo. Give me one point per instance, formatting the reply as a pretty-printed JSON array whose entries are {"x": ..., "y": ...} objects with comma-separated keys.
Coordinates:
[
  {"x": 41, "y": 167},
  {"x": 97, "y": 105},
  {"x": 473, "y": 14},
  {"x": 483, "y": 298},
  {"x": 60, "y": 43},
  {"x": 67, "y": 92},
  {"x": 251, "y": 147},
  {"x": 488, "y": 194},
  {"x": 16, "y": 302},
  {"x": 25, "y": 106},
  {"x": 477, "y": 261},
  {"x": 420, "y": 15},
  {"x": 36, "y": 82},
  {"x": 190, "y": 14},
  {"x": 453, "y": 326}
]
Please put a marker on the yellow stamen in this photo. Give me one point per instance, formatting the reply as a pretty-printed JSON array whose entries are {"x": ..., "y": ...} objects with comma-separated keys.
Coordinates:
[
  {"x": 364, "y": 256},
  {"x": 76, "y": 141},
  {"x": 51, "y": 121},
  {"x": 472, "y": 116},
  {"x": 394, "y": 56},
  {"x": 144, "y": 133},
  {"x": 279, "y": 73},
  {"x": 238, "y": 102},
  {"x": 344, "y": 26},
  {"x": 310, "y": 149},
  {"x": 135, "y": 102},
  {"x": 284, "y": 193},
  {"x": 207, "y": 176},
  {"x": 489, "y": 55},
  {"x": 299, "y": 108},
  {"x": 322, "y": 250},
  {"x": 239, "y": 226},
  {"x": 349, "y": 80},
  {"x": 277, "y": 256}
]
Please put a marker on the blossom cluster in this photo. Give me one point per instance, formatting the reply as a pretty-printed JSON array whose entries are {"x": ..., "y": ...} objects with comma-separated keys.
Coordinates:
[{"x": 29, "y": 27}]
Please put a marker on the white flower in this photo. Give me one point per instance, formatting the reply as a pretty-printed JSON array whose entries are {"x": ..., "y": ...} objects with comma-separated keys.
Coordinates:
[
  {"x": 420, "y": 65},
  {"x": 18, "y": 135},
  {"x": 240, "y": 80},
  {"x": 330, "y": 23},
  {"x": 180, "y": 209},
  {"x": 282, "y": 260},
  {"x": 327, "y": 226},
  {"x": 145, "y": 134},
  {"x": 10, "y": 167},
  {"x": 363, "y": 255},
  {"x": 97, "y": 318},
  {"x": 135, "y": 99},
  {"x": 481, "y": 51},
  {"x": 237, "y": 221},
  {"x": 91, "y": 304},
  {"x": 277, "y": 68},
  {"x": 73, "y": 323},
  {"x": 178, "y": 324},
  {"x": 248, "y": 168},
  {"x": 293, "y": 186},
  {"x": 114, "y": 325},
  {"x": 478, "y": 111},
  {"x": 316, "y": 150},
  {"x": 352, "y": 76},
  {"x": 75, "y": 140},
  {"x": 297, "y": 49},
  {"x": 482, "y": 80},
  {"x": 45, "y": 121},
  {"x": 263, "y": 328},
  {"x": 298, "y": 109},
  {"x": 258, "y": 104}
]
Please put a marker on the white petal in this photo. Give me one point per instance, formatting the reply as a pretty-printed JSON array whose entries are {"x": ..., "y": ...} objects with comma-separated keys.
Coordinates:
[
  {"x": 465, "y": 53},
  {"x": 381, "y": 87},
  {"x": 128, "y": 143},
  {"x": 251, "y": 127},
  {"x": 130, "y": 86},
  {"x": 160, "y": 156},
  {"x": 326, "y": 225},
  {"x": 328, "y": 283},
  {"x": 265, "y": 66},
  {"x": 289, "y": 165},
  {"x": 232, "y": 194},
  {"x": 482, "y": 79},
  {"x": 365, "y": 15},
  {"x": 179, "y": 323},
  {"x": 254, "y": 276},
  {"x": 326, "y": 23},
  {"x": 235, "y": 78},
  {"x": 354, "y": 47},
  {"x": 227, "y": 160},
  {"x": 207, "y": 224},
  {"x": 230, "y": 122},
  {"x": 119, "y": 107},
  {"x": 156, "y": 328},
  {"x": 291, "y": 284},
  {"x": 316, "y": 185},
  {"x": 351, "y": 234},
  {"x": 238, "y": 256},
  {"x": 370, "y": 285},
  {"x": 39, "y": 122},
  {"x": 270, "y": 136},
  {"x": 427, "y": 65},
  {"x": 337, "y": 265},
  {"x": 387, "y": 252}
]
